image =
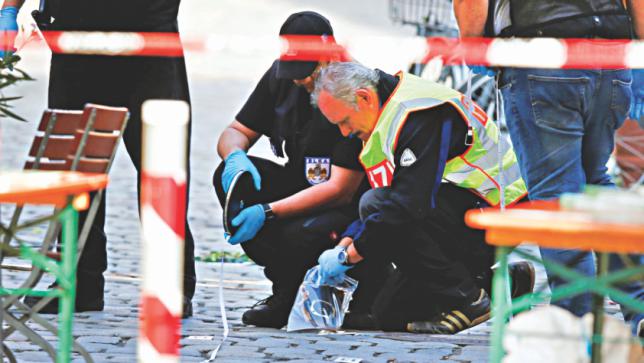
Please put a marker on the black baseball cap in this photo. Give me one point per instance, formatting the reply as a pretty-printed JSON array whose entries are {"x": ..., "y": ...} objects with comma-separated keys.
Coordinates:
[{"x": 302, "y": 23}]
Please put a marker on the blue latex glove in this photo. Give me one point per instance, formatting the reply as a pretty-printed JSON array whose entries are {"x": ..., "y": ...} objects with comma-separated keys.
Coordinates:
[
  {"x": 483, "y": 70},
  {"x": 235, "y": 162},
  {"x": 8, "y": 28},
  {"x": 251, "y": 220},
  {"x": 637, "y": 101},
  {"x": 331, "y": 270}
]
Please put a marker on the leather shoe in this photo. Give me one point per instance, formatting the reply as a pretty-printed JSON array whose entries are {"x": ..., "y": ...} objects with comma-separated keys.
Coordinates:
[
  {"x": 522, "y": 278},
  {"x": 52, "y": 306},
  {"x": 187, "y": 308},
  {"x": 271, "y": 312},
  {"x": 359, "y": 321}
]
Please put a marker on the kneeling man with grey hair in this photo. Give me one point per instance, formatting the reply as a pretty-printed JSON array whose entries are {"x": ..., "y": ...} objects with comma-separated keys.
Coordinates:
[{"x": 430, "y": 155}]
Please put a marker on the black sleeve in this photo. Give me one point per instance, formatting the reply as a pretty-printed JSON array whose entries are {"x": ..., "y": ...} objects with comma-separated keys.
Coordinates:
[
  {"x": 258, "y": 113},
  {"x": 423, "y": 148},
  {"x": 346, "y": 153}
]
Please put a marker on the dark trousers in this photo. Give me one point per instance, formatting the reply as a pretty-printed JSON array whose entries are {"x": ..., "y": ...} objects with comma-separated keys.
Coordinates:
[
  {"x": 437, "y": 257},
  {"x": 118, "y": 81},
  {"x": 288, "y": 247}
]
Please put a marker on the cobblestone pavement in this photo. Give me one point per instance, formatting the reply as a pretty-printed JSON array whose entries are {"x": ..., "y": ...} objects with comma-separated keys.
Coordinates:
[{"x": 218, "y": 86}]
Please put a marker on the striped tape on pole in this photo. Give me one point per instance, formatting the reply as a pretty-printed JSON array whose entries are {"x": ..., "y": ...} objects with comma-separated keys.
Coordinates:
[
  {"x": 497, "y": 52},
  {"x": 163, "y": 205}
]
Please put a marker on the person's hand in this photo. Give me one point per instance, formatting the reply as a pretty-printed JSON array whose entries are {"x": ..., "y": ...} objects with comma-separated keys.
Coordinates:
[
  {"x": 8, "y": 29},
  {"x": 331, "y": 270},
  {"x": 483, "y": 70},
  {"x": 250, "y": 220},
  {"x": 235, "y": 162},
  {"x": 637, "y": 100}
]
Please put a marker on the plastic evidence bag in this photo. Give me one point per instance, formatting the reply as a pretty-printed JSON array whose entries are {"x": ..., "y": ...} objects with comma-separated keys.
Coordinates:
[{"x": 320, "y": 306}]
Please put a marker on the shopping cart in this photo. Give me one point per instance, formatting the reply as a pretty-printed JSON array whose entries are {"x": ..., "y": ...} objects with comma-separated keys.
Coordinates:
[{"x": 435, "y": 18}]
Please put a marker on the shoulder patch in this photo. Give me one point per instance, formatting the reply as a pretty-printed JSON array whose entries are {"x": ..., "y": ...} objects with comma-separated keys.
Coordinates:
[
  {"x": 407, "y": 158},
  {"x": 317, "y": 169}
]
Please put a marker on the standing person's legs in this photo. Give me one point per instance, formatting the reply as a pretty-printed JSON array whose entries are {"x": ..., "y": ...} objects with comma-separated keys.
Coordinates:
[
  {"x": 609, "y": 111},
  {"x": 546, "y": 113},
  {"x": 606, "y": 114},
  {"x": 74, "y": 81},
  {"x": 634, "y": 288},
  {"x": 160, "y": 78}
]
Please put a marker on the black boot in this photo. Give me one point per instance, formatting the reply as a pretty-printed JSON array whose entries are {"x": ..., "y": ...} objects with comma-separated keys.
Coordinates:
[
  {"x": 82, "y": 303},
  {"x": 522, "y": 278},
  {"x": 271, "y": 312},
  {"x": 186, "y": 312},
  {"x": 89, "y": 295}
]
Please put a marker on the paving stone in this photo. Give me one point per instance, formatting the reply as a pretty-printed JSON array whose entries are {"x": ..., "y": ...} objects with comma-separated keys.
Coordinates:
[
  {"x": 99, "y": 339},
  {"x": 473, "y": 353}
]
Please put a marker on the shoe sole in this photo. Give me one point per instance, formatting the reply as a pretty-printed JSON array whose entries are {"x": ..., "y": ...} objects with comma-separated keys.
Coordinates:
[{"x": 481, "y": 319}]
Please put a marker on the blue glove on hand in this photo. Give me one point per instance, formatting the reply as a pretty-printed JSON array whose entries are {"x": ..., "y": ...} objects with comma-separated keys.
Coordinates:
[
  {"x": 251, "y": 220},
  {"x": 483, "y": 70},
  {"x": 8, "y": 28},
  {"x": 331, "y": 269},
  {"x": 235, "y": 162},
  {"x": 637, "y": 101}
]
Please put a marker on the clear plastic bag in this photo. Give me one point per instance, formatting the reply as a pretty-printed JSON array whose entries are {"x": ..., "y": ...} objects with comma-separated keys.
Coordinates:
[{"x": 319, "y": 306}]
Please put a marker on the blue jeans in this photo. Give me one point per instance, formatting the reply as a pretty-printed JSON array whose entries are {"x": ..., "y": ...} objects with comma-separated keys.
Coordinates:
[{"x": 562, "y": 125}]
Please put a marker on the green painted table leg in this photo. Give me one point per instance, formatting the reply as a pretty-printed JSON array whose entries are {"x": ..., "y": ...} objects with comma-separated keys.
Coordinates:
[
  {"x": 598, "y": 311},
  {"x": 66, "y": 301},
  {"x": 500, "y": 306}
]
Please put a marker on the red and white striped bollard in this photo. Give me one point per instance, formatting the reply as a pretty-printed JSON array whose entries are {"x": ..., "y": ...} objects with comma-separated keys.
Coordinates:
[{"x": 163, "y": 205}]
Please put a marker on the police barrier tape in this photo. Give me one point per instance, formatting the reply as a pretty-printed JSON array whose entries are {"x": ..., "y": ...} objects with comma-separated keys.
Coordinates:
[{"x": 495, "y": 52}]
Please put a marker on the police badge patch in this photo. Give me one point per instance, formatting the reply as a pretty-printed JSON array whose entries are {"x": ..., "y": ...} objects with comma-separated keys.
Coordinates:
[{"x": 317, "y": 170}]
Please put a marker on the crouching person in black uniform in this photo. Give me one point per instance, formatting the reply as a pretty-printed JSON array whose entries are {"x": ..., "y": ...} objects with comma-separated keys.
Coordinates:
[
  {"x": 418, "y": 134},
  {"x": 300, "y": 208}
]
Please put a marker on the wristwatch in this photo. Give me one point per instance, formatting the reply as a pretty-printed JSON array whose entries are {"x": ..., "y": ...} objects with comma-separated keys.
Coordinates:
[
  {"x": 343, "y": 257},
  {"x": 268, "y": 212}
]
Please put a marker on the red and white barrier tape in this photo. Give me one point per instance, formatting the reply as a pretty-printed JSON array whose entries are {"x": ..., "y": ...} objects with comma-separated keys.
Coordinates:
[
  {"x": 498, "y": 52},
  {"x": 163, "y": 205}
]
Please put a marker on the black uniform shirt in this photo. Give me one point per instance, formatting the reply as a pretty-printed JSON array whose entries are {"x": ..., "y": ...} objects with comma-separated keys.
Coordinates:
[
  {"x": 115, "y": 15},
  {"x": 279, "y": 109},
  {"x": 433, "y": 136}
]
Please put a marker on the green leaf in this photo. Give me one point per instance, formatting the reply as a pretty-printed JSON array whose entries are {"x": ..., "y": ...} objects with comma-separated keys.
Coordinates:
[{"x": 6, "y": 113}]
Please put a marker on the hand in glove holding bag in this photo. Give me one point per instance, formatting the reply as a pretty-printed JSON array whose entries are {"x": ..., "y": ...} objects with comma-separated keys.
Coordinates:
[{"x": 332, "y": 268}]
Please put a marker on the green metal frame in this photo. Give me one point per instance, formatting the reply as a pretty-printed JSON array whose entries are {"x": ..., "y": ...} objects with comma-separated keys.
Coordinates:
[
  {"x": 65, "y": 273},
  {"x": 503, "y": 307}
]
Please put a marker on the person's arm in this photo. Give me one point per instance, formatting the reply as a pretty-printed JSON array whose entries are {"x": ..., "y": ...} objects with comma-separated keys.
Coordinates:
[
  {"x": 13, "y": 3},
  {"x": 337, "y": 191},
  {"x": 471, "y": 16},
  {"x": 236, "y": 137},
  {"x": 9, "y": 25},
  {"x": 352, "y": 252},
  {"x": 636, "y": 8}
]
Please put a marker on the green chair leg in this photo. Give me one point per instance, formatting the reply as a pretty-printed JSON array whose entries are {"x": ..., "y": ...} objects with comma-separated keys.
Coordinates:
[
  {"x": 67, "y": 280},
  {"x": 500, "y": 305}
]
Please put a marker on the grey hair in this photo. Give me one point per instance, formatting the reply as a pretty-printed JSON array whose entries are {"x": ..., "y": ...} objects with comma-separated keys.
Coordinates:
[{"x": 342, "y": 80}]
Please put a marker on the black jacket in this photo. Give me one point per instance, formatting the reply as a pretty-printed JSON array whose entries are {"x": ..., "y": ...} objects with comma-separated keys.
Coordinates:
[{"x": 560, "y": 19}]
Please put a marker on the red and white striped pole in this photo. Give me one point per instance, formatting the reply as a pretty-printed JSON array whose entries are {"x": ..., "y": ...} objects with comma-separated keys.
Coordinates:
[{"x": 163, "y": 205}]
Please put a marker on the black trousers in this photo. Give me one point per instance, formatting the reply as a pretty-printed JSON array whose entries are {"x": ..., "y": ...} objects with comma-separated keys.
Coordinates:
[
  {"x": 438, "y": 258},
  {"x": 118, "y": 81},
  {"x": 288, "y": 247}
]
